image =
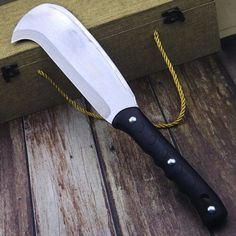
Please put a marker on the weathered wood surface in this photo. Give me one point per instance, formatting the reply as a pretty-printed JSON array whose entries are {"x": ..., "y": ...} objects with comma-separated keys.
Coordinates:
[
  {"x": 207, "y": 137},
  {"x": 146, "y": 202},
  {"x": 69, "y": 196},
  {"x": 90, "y": 179},
  {"x": 15, "y": 201}
]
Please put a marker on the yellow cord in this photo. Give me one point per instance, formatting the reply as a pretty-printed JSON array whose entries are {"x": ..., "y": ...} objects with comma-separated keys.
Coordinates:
[
  {"x": 72, "y": 102},
  {"x": 177, "y": 85},
  {"x": 179, "y": 88}
]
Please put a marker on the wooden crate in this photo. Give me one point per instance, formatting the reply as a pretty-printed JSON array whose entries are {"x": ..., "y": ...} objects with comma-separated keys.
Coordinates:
[{"x": 124, "y": 28}]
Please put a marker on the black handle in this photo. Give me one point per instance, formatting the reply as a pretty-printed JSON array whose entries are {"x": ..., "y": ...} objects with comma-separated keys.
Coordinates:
[{"x": 205, "y": 200}]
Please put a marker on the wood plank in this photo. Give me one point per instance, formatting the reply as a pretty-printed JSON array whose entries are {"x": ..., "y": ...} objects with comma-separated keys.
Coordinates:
[
  {"x": 207, "y": 137},
  {"x": 15, "y": 201},
  {"x": 146, "y": 202},
  {"x": 69, "y": 196}
]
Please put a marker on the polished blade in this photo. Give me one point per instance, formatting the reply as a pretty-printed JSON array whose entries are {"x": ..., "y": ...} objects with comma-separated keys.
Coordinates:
[{"x": 79, "y": 56}]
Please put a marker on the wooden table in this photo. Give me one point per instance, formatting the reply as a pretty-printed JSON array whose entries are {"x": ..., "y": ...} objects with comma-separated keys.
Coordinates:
[{"x": 64, "y": 174}]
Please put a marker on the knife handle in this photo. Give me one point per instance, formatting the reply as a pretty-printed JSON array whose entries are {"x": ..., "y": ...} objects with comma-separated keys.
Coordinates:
[{"x": 207, "y": 203}]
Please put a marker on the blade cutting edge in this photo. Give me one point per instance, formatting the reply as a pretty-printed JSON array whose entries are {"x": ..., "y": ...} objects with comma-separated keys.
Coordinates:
[{"x": 79, "y": 56}]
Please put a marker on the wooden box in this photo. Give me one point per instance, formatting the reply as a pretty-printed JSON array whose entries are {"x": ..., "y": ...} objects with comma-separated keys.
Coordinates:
[{"x": 123, "y": 27}]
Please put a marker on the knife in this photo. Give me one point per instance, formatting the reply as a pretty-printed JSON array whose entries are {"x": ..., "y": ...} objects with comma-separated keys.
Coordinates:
[{"x": 89, "y": 68}]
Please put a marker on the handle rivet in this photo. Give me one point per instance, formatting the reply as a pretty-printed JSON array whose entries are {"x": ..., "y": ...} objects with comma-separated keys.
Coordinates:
[
  {"x": 211, "y": 209},
  {"x": 132, "y": 119},
  {"x": 171, "y": 161}
]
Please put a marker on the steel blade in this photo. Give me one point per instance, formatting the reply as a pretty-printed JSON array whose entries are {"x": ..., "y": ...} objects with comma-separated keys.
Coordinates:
[{"x": 79, "y": 56}]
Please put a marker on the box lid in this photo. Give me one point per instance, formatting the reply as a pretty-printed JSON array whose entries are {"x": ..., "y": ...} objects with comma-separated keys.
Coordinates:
[{"x": 94, "y": 14}]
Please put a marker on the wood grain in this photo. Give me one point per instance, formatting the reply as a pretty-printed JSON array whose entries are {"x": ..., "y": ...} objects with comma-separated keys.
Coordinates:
[
  {"x": 15, "y": 203},
  {"x": 69, "y": 196},
  {"x": 146, "y": 202},
  {"x": 207, "y": 137}
]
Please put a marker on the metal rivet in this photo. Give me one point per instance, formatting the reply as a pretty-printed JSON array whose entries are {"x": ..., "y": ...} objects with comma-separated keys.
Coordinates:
[
  {"x": 171, "y": 161},
  {"x": 132, "y": 119},
  {"x": 211, "y": 209}
]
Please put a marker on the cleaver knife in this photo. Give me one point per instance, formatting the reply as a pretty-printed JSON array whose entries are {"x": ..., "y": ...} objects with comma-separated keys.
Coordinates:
[{"x": 89, "y": 68}]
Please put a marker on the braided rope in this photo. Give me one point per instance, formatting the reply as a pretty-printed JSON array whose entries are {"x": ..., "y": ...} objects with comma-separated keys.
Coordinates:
[{"x": 177, "y": 85}]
